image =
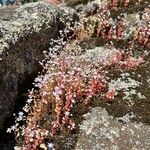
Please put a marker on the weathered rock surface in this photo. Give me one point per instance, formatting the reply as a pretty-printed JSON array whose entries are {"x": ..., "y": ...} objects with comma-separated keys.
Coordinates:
[
  {"x": 99, "y": 131},
  {"x": 76, "y": 2},
  {"x": 24, "y": 33}
]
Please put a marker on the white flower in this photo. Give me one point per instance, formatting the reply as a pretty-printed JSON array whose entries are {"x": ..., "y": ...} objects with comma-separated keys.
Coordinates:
[
  {"x": 67, "y": 113},
  {"x": 73, "y": 101},
  {"x": 21, "y": 113},
  {"x": 29, "y": 100},
  {"x": 13, "y": 127},
  {"x": 58, "y": 91},
  {"x": 26, "y": 108},
  {"x": 8, "y": 130},
  {"x": 50, "y": 146}
]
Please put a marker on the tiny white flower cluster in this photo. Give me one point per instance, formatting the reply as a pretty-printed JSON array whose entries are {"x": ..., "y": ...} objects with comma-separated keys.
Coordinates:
[
  {"x": 57, "y": 91},
  {"x": 12, "y": 128},
  {"x": 21, "y": 115}
]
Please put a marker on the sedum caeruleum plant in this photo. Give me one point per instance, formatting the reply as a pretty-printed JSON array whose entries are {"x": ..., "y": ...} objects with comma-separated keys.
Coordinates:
[{"x": 74, "y": 75}]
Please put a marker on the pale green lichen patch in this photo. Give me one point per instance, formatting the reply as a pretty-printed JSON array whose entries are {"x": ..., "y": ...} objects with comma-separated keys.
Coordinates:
[
  {"x": 101, "y": 131},
  {"x": 27, "y": 19}
]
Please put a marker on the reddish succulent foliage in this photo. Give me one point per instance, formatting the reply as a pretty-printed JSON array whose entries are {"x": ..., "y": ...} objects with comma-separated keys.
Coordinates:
[
  {"x": 66, "y": 82},
  {"x": 110, "y": 95}
]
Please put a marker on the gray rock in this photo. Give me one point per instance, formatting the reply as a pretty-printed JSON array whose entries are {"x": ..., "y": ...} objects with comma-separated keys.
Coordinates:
[
  {"x": 99, "y": 131},
  {"x": 74, "y": 3}
]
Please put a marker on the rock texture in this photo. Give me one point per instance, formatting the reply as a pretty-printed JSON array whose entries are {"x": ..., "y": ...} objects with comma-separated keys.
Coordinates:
[
  {"x": 24, "y": 33},
  {"x": 99, "y": 131},
  {"x": 76, "y": 2}
]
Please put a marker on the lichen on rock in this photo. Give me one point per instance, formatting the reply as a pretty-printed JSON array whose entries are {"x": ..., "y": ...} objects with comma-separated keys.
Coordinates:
[
  {"x": 27, "y": 19},
  {"x": 101, "y": 131}
]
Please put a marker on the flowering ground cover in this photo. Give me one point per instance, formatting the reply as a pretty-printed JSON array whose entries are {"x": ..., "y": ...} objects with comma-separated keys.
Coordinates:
[{"x": 102, "y": 60}]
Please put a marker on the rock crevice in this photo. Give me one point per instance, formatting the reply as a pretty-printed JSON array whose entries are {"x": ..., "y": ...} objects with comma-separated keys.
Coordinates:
[{"x": 25, "y": 33}]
